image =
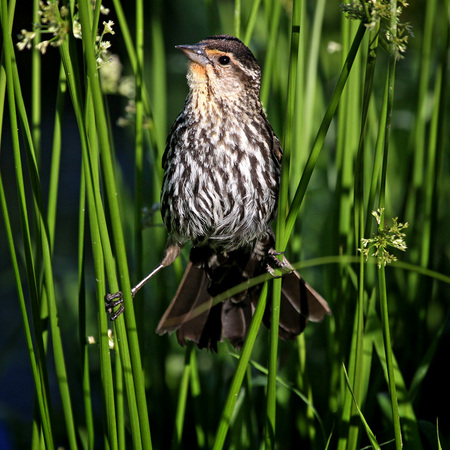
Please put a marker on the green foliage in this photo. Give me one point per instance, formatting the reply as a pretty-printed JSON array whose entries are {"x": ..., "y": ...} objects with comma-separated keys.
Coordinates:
[{"x": 362, "y": 131}]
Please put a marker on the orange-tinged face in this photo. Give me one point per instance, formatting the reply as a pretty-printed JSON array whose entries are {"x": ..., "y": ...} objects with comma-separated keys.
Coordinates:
[
  {"x": 197, "y": 70},
  {"x": 201, "y": 66},
  {"x": 208, "y": 71}
]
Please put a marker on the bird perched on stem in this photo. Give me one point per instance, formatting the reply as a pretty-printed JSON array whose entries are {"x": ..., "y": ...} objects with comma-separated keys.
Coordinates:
[{"x": 220, "y": 190}]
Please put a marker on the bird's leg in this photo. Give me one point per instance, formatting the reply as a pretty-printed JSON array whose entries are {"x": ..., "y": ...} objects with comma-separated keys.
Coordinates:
[
  {"x": 116, "y": 299},
  {"x": 284, "y": 265}
]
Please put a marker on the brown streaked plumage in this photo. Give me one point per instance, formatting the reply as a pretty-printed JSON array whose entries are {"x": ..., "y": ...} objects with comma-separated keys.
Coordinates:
[{"x": 220, "y": 190}]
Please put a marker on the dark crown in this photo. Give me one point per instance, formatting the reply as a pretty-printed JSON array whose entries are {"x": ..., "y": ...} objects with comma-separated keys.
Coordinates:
[{"x": 231, "y": 44}]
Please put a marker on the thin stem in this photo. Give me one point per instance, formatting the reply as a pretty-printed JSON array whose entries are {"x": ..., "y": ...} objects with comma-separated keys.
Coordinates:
[
  {"x": 139, "y": 160},
  {"x": 237, "y": 18},
  {"x": 182, "y": 400},
  {"x": 381, "y": 272},
  {"x": 47, "y": 287},
  {"x": 282, "y": 202},
  {"x": 320, "y": 138},
  {"x": 240, "y": 371}
]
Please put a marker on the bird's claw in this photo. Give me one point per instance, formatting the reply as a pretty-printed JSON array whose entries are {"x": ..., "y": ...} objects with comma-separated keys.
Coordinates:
[
  {"x": 276, "y": 264},
  {"x": 280, "y": 264},
  {"x": 271, "y": 270},
  {"x": 111, "y": 301}
]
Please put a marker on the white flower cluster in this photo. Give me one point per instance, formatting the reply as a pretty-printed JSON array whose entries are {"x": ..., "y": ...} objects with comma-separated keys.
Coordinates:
[
  {"x": 55, "y": 21},
  {"x": 386, "y": 237},
  {"x": 374, "y": 12}
]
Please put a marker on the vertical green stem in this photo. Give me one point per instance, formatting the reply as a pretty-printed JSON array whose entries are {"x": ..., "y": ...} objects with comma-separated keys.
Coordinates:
[
  {"x": 237, "y": 18},
  {"x": 357, "y": 359},
  {"x": 154, "y": 134},
  {"x": 130, "y": 356},
  {"x": 56, "y": 156},
  {"x": 271, "y": 52},
  {"x": 311, "y": 68},
  {"x": 320, "y": 138},
  {"x": 139, "y": 160},
  {"x": 182, "y": 400},
  {"x": 96, "y": 217},
  {"x": 47, "y": 287},
  {"x": 36, "y": 87},
  {"x": 82, "y": 318},
  {"x": 282, "y": 207},
  {"x": 389, "y": 358},
  {"x": 251, "y": 21},
  {"x": 418, "y": 134},
  {"x": 195, "y": 393},
  {"x": 42, "y": 394},
  {"x": 381, "y": 272},
  {"x": 241, "y": 370}
]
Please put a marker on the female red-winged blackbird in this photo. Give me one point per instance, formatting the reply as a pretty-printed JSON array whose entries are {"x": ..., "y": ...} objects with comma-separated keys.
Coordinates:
[{"x": 220, "y": 189}]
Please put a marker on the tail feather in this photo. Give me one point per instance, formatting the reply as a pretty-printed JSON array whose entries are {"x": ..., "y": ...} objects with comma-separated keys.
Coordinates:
[
  {"x": 236, "y": 318},
  {"x": 192, "y": 291},
  {"x": 193, "y": 316},
  {"x": 191, "y": 313},
  {"x": 304, "y": 299},
  {"x": 203, "y": 329},
  {"x": 291, "y": 322}
]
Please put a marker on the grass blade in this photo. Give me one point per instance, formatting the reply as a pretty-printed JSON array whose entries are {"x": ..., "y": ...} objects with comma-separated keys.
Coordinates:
[
  {"x": 318, "y": 143},
  {"x": 240, "y": 371}
]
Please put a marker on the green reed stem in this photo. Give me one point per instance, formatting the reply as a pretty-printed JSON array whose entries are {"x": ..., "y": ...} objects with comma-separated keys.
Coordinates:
[
  {"x": 15, "y": 97},
  {"x": 320, "y": 138},
  {"x": 381, "y": 272},
  {"x": 154, "y": 135},
  {"x": 418, "y": 134},
  {"x": 369, "y": 432},
  {"x": 56, "y": 156},
  {"x": 359, "y": 357},
  {"x": 240, "y": 371},
  {"x": 269, "y": 65},
  {"x": 282, "y": 207},
  {"x": 251, "y": 21},
  {"x": 36, "y": 80},
  {"x": 435, "y": 147},
  {"x": 82, "y": 318},
  {"x": 96, "y": 216},
  {"x": 237, "y": 18},
  {"x": 139, "y": 160},
  {"x": 130, "y": 357},
  {"x": 311, "y": 75},
  {"x": 182, "y": 400},
  {"x": 41, "y": 391},
  {"x": 196, "y": 398},
  {"x": 39, "y": 367}
]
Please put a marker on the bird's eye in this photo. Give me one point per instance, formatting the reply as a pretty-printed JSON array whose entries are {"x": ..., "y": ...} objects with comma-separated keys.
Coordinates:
[{"x": 224, "y": 60}]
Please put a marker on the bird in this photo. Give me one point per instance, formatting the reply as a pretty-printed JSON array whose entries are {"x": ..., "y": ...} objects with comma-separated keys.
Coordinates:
[{"x": 222, "y": 165}]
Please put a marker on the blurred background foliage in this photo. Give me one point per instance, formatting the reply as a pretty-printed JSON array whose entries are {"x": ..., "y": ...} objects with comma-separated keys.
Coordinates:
[{"x": 418, "y": 305}]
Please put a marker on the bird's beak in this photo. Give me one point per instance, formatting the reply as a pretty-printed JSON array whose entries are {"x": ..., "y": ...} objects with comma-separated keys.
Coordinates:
[{"x": 196, "y": 53}]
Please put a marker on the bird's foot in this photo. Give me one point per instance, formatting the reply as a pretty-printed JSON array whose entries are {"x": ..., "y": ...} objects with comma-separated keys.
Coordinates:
[
  {"x": 111, "y": 301},
  {"x": 276, "y": 264},
  {"x": 282, "y": 264},
  {"x": 272, "y": 272}
]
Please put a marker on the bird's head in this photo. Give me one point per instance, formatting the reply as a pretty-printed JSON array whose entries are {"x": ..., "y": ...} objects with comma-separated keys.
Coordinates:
[{"x": 223, "y": 68}]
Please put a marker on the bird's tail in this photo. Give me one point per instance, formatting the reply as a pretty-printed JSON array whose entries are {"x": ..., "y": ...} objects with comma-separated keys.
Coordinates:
[{"x": 194, "y": 317}]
